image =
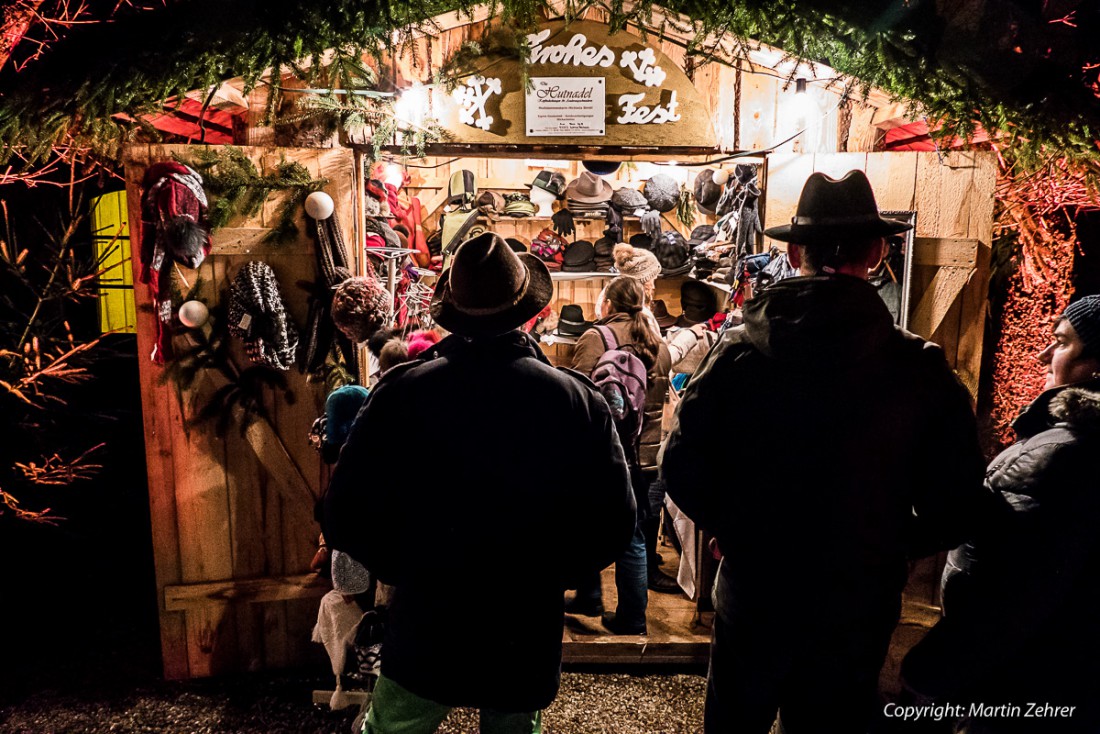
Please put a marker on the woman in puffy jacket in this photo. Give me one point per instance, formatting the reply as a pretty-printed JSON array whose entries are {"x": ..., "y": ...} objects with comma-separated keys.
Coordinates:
[
  {"x": 635, "y": 330},
  {"x": 1018, "y": 645}
]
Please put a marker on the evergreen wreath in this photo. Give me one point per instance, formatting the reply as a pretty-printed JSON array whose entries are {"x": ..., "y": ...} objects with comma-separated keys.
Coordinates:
[{"x": 236, "y": 188}]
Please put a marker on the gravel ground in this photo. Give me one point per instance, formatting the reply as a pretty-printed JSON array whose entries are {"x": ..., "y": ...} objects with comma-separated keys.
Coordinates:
[{"x": 614, "y": 702}]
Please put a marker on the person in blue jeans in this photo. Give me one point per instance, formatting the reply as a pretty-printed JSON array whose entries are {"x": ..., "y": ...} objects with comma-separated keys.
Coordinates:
[{"x": 624, "y": 311}]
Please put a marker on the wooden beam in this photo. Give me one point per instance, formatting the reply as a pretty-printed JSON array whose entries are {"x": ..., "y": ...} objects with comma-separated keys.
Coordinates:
[
  {"x": 187, "y": 597},
  {"x": 688, "y": 649},
  {"x": 941, "y": 293},
  {"x": 355, "y": 698},
  {"x": 956, "y": 252}
]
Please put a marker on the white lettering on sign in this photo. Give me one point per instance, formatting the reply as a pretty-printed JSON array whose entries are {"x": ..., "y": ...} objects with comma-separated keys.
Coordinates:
[
  {"x": 575, "y": 52},
  {"x": 644, "y": 65},
  {"x": 633, "y": 114},
  {"x": 471, "y": 101}
]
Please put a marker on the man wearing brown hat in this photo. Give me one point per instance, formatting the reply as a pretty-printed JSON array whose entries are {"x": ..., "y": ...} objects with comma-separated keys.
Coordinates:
[
  {"x": 857, "y": 451},
  {"x": 436, "y": 495}
]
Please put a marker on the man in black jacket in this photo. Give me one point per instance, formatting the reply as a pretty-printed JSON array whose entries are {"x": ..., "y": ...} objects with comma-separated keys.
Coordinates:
[
  {"x": 436, "y": 494},
  {"x": 821, "y": 446}
]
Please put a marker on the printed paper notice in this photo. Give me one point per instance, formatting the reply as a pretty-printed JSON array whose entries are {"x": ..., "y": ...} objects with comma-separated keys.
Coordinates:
[{"x": 566, "y": 106}]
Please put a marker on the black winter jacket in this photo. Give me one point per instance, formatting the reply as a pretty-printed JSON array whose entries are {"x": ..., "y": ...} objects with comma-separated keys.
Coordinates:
[
  {"x": 457, "y": 485},
  {"x": 1021, "y": 599},
  {"x": 822, "y": 446}
]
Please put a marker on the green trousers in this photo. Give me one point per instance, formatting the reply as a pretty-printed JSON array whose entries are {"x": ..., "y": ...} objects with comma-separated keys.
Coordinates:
[{"x": 395, "y": 710}]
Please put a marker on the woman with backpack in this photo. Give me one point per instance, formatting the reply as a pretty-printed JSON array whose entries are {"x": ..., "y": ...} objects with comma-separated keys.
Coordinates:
[{"x": 625, "y": 325}]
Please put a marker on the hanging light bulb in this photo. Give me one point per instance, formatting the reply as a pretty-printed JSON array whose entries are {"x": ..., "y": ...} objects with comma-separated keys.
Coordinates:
[{"x": 804, "y": 107}]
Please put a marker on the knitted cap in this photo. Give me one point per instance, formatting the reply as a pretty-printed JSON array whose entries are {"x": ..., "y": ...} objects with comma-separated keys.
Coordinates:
[
  {"x": 360, "y": 307},
  {"x": 636, "y": 263},
  {"x": 1084, "y": 316}
]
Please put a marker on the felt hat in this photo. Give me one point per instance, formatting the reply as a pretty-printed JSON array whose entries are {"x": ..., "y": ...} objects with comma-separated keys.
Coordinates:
[
  {"x": 641, "y": 240},
  {"x": 518, "y": 244},
  {"x": 579, "y": 257},
  {"x": 601, "y": 168},
  {"x": 360, "y": 307},
  {"x": 1084, "y": 316},
  {"x": 571, "y": 320},
  {"x": 661, "y": 314},
  {"x": 550, "y": 181},
  {"x": 698, "y": 301},
  {"x": 627, "y": 199},
  {"x": 489, "y": 289},
  {"x": 831, "y": 211},
  {"x": 707, "y": 192},
  {"x": 636, "y": 263},
  {"x": 661, "y": 192},
  {"x": 589, "y": 188}
]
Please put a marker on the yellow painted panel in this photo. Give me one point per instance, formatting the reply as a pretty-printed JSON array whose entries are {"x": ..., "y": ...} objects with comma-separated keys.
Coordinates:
[{"x": 111, "y": 236}]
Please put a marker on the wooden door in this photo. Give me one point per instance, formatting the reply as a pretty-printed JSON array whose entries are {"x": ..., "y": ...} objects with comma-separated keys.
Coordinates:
[{"x": 232, "y": 514}]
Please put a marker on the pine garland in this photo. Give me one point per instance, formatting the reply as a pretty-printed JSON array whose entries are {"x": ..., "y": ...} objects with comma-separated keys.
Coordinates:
[{"x": 236, "y": 188}]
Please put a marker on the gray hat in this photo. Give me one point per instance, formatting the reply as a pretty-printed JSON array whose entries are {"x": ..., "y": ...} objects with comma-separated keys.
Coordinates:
[
  {"x": 662, "y": 192},
  {"x": 627, "y": 199},
  {"x": 1084, "y": 316}
]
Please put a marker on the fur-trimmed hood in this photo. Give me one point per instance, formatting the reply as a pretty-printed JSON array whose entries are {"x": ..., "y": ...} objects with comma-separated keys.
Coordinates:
[{"x": 1078, "y": 407}]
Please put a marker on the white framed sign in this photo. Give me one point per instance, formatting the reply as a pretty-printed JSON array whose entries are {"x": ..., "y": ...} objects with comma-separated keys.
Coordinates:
[{"x": 566, "y": 106}]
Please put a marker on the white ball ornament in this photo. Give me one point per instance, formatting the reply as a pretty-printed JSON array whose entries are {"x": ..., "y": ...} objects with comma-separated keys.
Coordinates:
[
  {"x": 319, "y": 205},
  {"x": 193, "y": 314},
  {"x": 721, "y": 176}
]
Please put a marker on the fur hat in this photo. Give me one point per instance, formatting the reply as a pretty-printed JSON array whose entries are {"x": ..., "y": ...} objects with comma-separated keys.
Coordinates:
[
  {"x": 1084, "y": 316},
  {"x": 636, "y": 263},
  {"x": 393, "y": 353},
  {"x": 662, "y": 192},
  {"x": 360, "y": 307}
]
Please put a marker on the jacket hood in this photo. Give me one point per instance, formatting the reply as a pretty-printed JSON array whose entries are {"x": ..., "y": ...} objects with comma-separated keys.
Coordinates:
[
  {"x": 830, "y": 320},
  {"x": 1077, "y": 406}
]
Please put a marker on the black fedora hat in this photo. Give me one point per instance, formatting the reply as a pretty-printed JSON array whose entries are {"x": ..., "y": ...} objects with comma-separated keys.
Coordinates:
[
  {"x": 489, "y": 289},
  {"x": 707, "y": 192},
  {"x": 835, "y": 209},
  {"x": 601, "y": 168}
]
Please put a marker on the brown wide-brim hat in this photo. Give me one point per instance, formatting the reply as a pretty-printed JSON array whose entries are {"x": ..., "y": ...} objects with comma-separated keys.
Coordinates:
[
  {"x": 831, "y": 211},
  {"x": 489, "y": 289},
  {"x": 589, "y": 188}
]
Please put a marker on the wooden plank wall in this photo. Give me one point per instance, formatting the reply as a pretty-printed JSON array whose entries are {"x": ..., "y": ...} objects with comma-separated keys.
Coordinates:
[{"x": 222, "y": 524}]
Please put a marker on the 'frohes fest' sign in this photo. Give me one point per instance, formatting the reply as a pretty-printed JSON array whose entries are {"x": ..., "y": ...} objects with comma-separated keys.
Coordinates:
[{"x": 586, "y": 83}]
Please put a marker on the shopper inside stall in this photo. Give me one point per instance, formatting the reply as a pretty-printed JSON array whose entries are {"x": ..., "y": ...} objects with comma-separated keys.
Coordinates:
[
  {"x": 1020, "y": 600},
  {"x": 465, "y": 537},
  {"x": 822, "y": 447},
  {"x": 631, "y": 328}
]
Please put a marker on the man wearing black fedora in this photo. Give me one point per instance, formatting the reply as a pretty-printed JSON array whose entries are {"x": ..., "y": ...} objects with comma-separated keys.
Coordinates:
[
  {"x": 436, "y": 495},
  {"x": 857, "y": 451}
]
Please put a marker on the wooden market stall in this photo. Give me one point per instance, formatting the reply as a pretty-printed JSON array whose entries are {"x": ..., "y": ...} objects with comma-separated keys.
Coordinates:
[{"x": 233, "y": 527}]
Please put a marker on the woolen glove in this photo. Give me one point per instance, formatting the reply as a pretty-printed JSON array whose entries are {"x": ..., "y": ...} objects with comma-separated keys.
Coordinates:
[
  {"x": 651, "y": 224},
  {"x": 562, "y": 222}
]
